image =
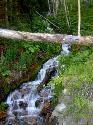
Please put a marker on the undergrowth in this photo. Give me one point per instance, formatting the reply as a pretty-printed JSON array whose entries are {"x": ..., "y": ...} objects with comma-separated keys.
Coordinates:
[{"x": 76, "y": 76}]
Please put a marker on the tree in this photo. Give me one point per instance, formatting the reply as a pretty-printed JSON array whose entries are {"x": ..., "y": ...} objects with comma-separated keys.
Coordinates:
[
  {"x": 66, "y": 13},
  {"x": 79, "y": 18},
  {"x": 6, "y": 14}
]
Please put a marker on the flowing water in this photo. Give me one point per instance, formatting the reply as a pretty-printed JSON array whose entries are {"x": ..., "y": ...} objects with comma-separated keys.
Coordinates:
[{"x": 26, "y": 103}]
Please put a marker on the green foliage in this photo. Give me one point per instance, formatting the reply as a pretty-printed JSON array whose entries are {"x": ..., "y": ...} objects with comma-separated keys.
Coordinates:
[
  {"x": 72, "y": 14},
  {"x": 40, "y": 25},
  {"x": 10, "y": 54},
  {"x": 76, "y": 77},
  {"x": 3, "y": 106}
]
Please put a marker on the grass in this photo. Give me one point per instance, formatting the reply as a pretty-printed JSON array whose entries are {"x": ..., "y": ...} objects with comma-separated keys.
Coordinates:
[{"x": 77, "y": 77}]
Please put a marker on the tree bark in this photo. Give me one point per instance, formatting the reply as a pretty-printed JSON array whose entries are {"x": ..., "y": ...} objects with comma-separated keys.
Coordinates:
[
  {"x": 6, "y": 14},
  {"x": 79, "y": 18},
  {"x": 66, "y": 13},
  {"x": 60, "y": 38}
]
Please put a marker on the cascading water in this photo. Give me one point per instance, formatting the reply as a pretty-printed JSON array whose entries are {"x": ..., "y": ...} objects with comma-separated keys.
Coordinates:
[{"x": 26, "y": 103}]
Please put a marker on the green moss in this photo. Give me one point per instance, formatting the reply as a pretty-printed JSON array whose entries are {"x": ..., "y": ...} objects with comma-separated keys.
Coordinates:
[{"x": 3, "y": 106}]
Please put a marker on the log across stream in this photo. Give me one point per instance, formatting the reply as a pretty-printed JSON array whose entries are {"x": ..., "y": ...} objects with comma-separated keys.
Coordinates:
[{"x": 60, "y": 38}]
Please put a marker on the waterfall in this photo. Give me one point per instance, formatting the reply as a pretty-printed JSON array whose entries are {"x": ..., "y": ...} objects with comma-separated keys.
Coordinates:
[{"x": 22, "y": 102}]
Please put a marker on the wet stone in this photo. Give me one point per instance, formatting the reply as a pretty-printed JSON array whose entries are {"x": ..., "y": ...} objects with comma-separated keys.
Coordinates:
[
  {"x": 37, "y": 103},
  {"x": 46, "y": 109},
  {"x": 15, "y": 97},
  {"x": 15, "y": 105},
  {"x": 24, "y": 91},
  {"x": 23, "y": 104}
]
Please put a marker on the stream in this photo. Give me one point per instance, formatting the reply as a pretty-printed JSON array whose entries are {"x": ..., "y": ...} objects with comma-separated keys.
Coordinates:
[{"x": 27, "y": 102}]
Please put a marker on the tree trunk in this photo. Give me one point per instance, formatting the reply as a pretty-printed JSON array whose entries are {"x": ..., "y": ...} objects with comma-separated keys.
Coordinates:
[
  {"x": 79, "y": 18},
  {"x": 49, "y": 7},
  {"x": 66, "y": 13},
  {"x": 6, "y": 14}
]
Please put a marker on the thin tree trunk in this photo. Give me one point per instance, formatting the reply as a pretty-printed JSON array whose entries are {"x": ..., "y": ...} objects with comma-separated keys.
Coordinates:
[
  {"x": 79, "y": 18},
  {"x": 49, "y": 6},
  {"x": 6, "y": 14},
  {"x": 56, "y": 6},
  {"x": 66, "y": 13}
]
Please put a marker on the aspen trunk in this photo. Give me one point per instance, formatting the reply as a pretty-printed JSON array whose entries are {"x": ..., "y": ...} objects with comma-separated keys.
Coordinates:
[
  {"x": 79, "y": 18},
  {"x": 66, "y": 13},
  {"x": 49, "y": 6}
]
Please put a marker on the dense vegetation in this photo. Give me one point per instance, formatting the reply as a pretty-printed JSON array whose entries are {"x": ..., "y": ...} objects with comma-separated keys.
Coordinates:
[
  {"x": 22, "y": 15},
  {"x": 20, "y": 58}
]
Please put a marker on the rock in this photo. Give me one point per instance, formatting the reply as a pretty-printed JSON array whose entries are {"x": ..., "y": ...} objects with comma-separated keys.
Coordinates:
[
  {"x": 37, "y": 103},
  {"x": 39, "y": 88},
  {"x": 23, "y": 104},
  {"x": 15, "y": 97},
  {"x": 3, "y": 115},
  {"x": 24, "y": 91},
  {"x": 60, "y": 107},
  {"x": 31, "y": 120},
  {"x": 46, "y": 109}
]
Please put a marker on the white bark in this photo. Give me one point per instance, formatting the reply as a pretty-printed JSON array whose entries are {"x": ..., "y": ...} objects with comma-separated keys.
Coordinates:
[
  {"x": 55, "y": 6},
  {"x": 79, "y": 18},
  {"x": 49, "y": 6},
  {"x": 66, "y": 13},
  {"x": 60, "y": 38}
]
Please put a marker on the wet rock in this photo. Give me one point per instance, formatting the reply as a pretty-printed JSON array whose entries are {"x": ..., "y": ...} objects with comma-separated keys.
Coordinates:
[
  {"x": 46, "y": 109},
  {"x": 39, "y": 88},
  {"x": 15, "y": 97},
  {"x": 24, "y": 91},
  {"x": 15, "y": 113},
  {"x": 37, "y": 103},
  {"x": 31, "y": 120},
  {"x": 49, "y": 73},
  {"x": 12, "y": 121},
  {"x": 23, "y": 104}
]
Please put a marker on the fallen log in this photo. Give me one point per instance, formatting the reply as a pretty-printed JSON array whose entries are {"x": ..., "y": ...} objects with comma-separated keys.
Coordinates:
[{"x": 61, "y": 38}]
